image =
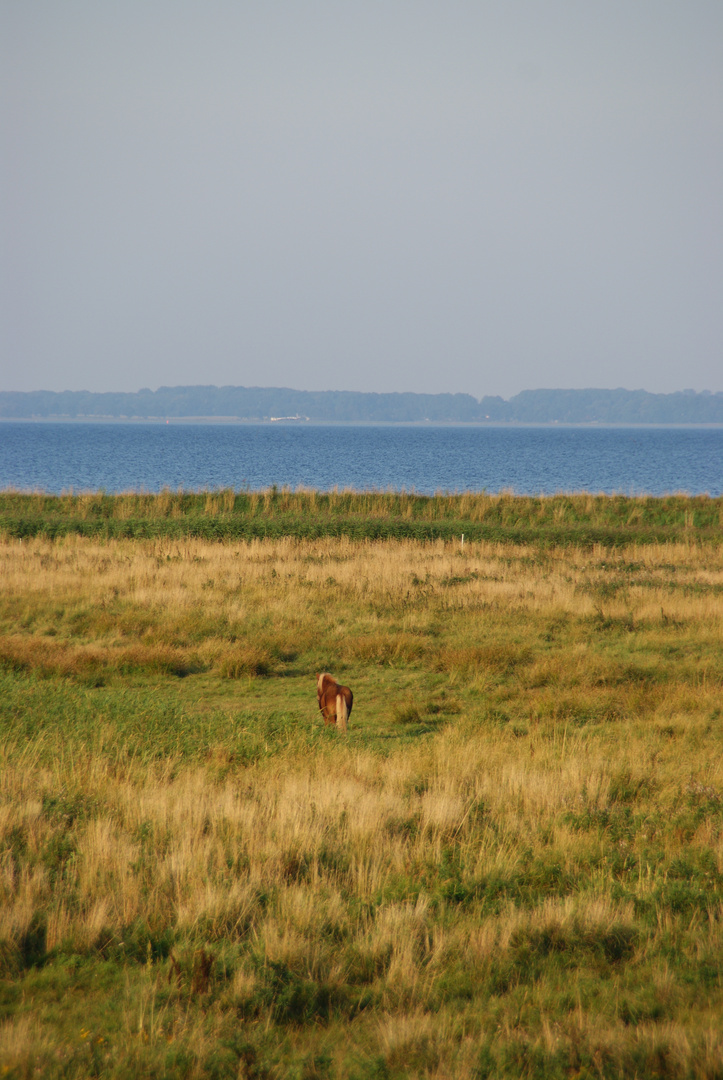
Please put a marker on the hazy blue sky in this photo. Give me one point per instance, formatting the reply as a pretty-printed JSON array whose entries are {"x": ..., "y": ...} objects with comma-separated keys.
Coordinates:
[{"x": 369, "y": 195}]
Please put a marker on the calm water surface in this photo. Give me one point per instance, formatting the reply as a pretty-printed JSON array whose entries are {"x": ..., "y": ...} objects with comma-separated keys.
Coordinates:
[{"x": 529, "y": 460}]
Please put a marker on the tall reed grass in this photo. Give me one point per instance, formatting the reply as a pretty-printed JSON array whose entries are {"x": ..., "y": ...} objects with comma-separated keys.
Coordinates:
[{"x": 228, "y": 514}]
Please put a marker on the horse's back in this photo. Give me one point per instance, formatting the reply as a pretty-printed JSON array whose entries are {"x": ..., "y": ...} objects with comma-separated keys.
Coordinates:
[{"x": 328, "y": 692}]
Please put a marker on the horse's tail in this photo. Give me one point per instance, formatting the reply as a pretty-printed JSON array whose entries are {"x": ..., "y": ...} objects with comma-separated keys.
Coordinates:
[{"x": 342, "y": 713}]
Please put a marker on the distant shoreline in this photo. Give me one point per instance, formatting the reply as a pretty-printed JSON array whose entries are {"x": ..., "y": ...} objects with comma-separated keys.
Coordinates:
[
  {"x": 230, "y": 421},
  {"x": 283, "y": 405}
]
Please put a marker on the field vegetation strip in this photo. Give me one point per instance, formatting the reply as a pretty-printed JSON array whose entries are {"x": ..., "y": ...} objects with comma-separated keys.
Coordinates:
[
  {"x": 512, "y": 865},
  {"x": 273, "y": 513}
]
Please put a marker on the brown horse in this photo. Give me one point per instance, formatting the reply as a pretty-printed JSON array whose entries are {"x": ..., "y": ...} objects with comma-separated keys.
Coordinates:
[{"x": 335, "y": 701}]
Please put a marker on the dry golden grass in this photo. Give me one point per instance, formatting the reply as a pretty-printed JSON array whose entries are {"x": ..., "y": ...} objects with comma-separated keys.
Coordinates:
[
  {"x": 518, "y": 847},
  {"x": 76, "y": 598}
]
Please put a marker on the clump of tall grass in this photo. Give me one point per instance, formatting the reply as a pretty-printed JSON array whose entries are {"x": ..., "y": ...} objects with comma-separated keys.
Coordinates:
[{"x": 248, "y": 660}]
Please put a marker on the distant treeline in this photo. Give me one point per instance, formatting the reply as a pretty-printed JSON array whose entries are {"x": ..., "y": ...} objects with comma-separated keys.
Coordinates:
[
  {"x": 259, "y": 403},
  {"x": 559, "y": 520}
]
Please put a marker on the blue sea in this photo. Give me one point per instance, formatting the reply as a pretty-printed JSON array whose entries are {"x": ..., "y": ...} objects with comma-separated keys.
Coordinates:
[{"x": 56, "y": 457}]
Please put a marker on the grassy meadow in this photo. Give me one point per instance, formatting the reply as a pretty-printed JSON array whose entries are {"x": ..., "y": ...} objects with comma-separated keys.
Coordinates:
[{"x": 512, "y": 865}]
